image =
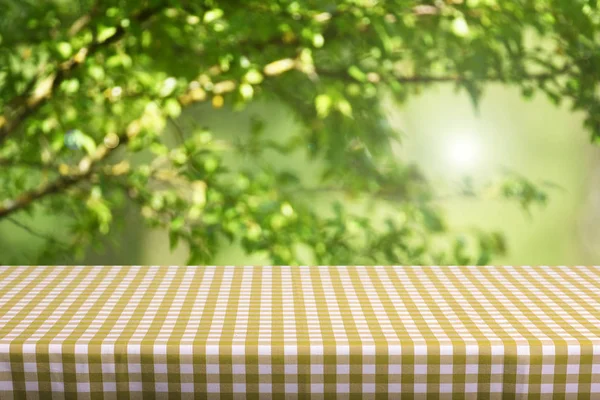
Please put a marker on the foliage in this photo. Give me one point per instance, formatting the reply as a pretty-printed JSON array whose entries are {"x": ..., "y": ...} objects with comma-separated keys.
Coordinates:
[{"x": 89, "y": 89}]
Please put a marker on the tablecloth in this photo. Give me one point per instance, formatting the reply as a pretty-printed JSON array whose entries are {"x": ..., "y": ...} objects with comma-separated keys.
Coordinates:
[{"x": 381, "y": 332}]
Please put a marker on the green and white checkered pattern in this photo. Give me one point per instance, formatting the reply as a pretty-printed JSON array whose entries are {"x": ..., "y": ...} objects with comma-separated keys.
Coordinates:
[{"x": 283, "y": 332}]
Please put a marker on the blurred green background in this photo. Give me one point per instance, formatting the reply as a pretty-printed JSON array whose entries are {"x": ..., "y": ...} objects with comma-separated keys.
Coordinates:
[{"x": 449, "y": 140}]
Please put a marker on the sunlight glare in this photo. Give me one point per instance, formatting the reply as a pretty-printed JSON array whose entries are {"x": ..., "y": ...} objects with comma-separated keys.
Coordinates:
[{"x": 464, "y": 152}]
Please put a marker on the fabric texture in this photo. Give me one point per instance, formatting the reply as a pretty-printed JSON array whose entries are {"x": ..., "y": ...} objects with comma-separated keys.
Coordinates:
[{"x": 297, "y": 332}]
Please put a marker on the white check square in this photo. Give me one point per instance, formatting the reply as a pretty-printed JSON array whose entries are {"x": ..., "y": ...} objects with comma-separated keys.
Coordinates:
[
  {"x": 290, "y": 350},
  {"x": 343, "y": 388},
  {"x": 212, "y": 368},
  {"x": 572, "y": 369},
  {"x": 186, "y": 369},
  {"x": 343, "y": 369},
  {"x": 265, "y": 387},
  {"x": 291, "y": 388},
  {"x": 213, "y": 387},
  {"x": 497, "y": 369},
  {"x": 368, "y": 387},
  {"x": 472, "y": 369},
  {"x": 395, "y": 388},
  {"x": 264, "y": 369},
  {"x": 471, "y": 388},
  {"x": 446, "y": 369},
  {"x": 445, "y": 388},
  {"x": 368, "y": 369},
  {"x": 420, "y": 388},
  {"x": 546, "y": 388},
  {"x": 187, "y": 388},
  {"x": 317, "y": 387},
  {"x": 572, "y": 388},
  {"x": 160, "y": 368},
  {"x": 83, "y": 387},
  {"x": 161, "y": 387},
  {"x": 421, "y": 369},
  {"x": 239, "y": 388},
  {"x": 496, "y": 387},
  {"x": 238, "y": 369},
  {"x": 316, "y": 369},
  {"x": 29, "y": 367}
]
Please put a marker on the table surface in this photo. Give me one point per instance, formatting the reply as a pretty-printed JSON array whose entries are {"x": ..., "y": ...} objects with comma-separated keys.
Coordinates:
[{"x": 281, "y": 331}]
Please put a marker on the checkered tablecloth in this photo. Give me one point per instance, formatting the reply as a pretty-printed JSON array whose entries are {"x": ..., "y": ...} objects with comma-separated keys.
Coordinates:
[{"x": 284, "y": 332}]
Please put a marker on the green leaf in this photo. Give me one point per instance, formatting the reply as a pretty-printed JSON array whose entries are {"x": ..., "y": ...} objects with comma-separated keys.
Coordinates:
[
  {"x": 105, "y": 32},
  {"x": 253, "y": 77},
  {"x": 357, "y": 74},
  {"x": 172, "y": 108},
  {"x": 70, "y": 86},
  {"x": 96, "y": 72},
  {"x": 212, "y": 15},
  {"x": 318, "y": 40},
  {"x": 177, "y": 223},
  {"x": 527, "y": 92},
  {"x": 173, "y": 240},
  {"x": 64, "y": 49},
  {"x": 323, "y": 105},
  {"x": 119, "y": 60},
  {"x": 460, "y": 27},
  {"x": 247, "y": 91},
  {"x": 474, "y": 91},
  {"x": 345, "y": 107},
  {"x": 168, "y": 87}
]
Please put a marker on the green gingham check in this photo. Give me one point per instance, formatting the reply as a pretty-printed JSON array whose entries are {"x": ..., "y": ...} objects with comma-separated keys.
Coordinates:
[{"x": 284, "y": 332}]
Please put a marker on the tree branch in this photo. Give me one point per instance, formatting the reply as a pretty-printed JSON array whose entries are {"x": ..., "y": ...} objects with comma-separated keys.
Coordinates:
[
  {"x": 35, "y": 233},
  {"x": 8, "y": 124},
  {"x": 85, "y": 19},
  {"x": 10, "y": 206},
  {"x": 5, "y": 162},
  {"x": 416, "y": 79}
]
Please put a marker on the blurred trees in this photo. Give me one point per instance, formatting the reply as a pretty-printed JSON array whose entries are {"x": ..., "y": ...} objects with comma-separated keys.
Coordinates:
[{"x": 89, "y": 90}]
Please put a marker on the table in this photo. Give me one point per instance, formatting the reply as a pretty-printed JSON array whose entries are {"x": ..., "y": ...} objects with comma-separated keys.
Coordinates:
[{"x": 286, "y": 332}]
